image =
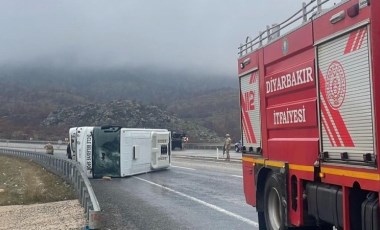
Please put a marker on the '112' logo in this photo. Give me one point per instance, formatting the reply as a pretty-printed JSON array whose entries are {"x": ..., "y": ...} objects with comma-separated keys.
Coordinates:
[{"x": 249, "y": 99}]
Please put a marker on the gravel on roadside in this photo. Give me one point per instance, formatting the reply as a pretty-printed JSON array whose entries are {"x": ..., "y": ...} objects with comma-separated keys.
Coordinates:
[{"x": 55, "y": 215}]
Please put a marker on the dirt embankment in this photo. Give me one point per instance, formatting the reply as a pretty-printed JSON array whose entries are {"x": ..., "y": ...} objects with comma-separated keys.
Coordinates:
[{"x": 33, "y": 198}]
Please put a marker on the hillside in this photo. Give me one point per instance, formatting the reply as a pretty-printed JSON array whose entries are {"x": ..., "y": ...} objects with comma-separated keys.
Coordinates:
[
  {"x": 129, "y": 114},
  {"x": 217, "y": 110},
  {"x": 30, "y": 94}
]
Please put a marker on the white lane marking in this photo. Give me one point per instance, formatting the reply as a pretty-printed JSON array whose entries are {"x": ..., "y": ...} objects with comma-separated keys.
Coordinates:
[
  {"x": 182, "y": 167},
  {"x": 237, "y": 176},
  {"x": 219, "y": 209}
]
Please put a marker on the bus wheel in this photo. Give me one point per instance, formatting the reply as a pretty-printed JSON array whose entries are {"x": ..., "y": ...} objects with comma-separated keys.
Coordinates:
[{"x": 274, "y": 210}]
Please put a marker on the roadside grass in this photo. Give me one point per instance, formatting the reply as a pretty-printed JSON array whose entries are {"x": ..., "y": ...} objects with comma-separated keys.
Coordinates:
[{"x": 25, "y": 182}]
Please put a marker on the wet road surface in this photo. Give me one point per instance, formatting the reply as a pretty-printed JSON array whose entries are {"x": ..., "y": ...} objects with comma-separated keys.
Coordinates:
[{"x": 192, "y": 194}]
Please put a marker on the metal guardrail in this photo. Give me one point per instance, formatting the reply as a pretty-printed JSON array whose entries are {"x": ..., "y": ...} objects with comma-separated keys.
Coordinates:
[
  {"x": 203, "y": 145},
  {"x": 72, "y": 173},
  {"x": 59, "y": 142},
  {"x": 8, "y": 143}
]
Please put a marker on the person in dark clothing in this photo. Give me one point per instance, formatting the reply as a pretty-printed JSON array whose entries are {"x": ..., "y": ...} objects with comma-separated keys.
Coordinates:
[{"x": 68, "y": 150}]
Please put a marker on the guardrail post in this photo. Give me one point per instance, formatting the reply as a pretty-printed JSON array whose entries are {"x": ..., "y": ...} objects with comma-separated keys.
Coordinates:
[
  {"x": 67, "y": 170},
  {"x": 82, "y": 197},
  {"x": 85, "y": 202},
  {"x": 94, "y": 219}
]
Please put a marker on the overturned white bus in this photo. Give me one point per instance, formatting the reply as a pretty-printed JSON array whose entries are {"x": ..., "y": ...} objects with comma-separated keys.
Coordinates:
[{"x": 118, "y": 152}]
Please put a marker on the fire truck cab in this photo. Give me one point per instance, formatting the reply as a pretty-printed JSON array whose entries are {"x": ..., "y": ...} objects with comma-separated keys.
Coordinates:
[{"x": 310, "y": 115}]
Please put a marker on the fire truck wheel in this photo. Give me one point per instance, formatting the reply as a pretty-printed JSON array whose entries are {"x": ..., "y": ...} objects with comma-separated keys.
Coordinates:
[{"x": 274, "y": 210}]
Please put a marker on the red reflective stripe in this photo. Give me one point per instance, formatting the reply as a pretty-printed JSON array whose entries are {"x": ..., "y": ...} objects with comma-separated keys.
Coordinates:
[
  {"x": 355, "y": 40},
  {"x": 350, "y": 42},
  {"x": 328, "y": 133},
  {"x": 342, "y": 129},
  {"x": 251, "y": 79},
  {"x": 362, "y": 37},
  {"x": 247, "y": 127},
  {"x": 251, "y": 134},
  {"x": 326, "y": 119},
  {"x": 244, "y": 120},
  {"x": 245, "y": 130},
  {"x": 337, "y": 118},
  {"x": 325, "y": 116},
  {"x": 250, "y": 129}
]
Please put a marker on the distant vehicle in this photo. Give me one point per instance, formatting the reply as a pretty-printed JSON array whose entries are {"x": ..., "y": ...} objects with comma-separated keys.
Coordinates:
[
  {"x": 238, "y": 146},
  {"x": 177, "y": 139}
]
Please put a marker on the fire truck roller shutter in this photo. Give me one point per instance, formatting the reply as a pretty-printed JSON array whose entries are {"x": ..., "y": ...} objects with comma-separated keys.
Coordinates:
[
  {"x": 250, "y": 110},
  {"x": 346, "y": 96}
]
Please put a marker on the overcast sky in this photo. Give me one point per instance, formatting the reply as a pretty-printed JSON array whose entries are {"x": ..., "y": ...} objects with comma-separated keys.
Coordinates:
[{"x": 188, "y": 35}]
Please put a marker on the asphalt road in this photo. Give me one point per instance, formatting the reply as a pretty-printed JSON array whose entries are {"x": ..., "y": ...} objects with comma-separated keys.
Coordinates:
[
  {"x": 197, "y": 192},
  {"x": 192, "y": 194}
]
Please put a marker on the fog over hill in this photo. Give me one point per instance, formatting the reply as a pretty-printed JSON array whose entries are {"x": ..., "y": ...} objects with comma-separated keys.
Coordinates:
[
  {"x": 148, "y": 85},
  {"x": 30, "y": 93}
]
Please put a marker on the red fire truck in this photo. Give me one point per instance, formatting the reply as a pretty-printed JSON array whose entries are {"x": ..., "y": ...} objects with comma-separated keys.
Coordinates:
[{"x": 310, "y": 118}]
